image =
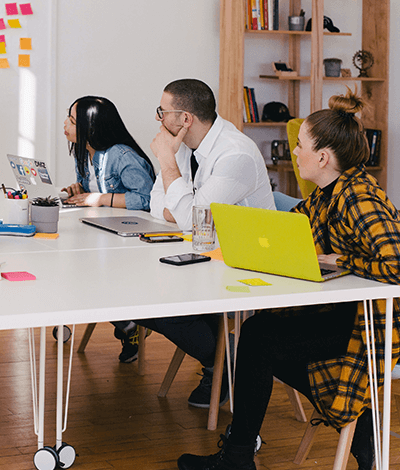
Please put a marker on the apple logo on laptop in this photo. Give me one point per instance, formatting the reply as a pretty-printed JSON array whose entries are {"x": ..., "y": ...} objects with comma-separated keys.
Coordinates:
[{"x": 264, "y": 242}]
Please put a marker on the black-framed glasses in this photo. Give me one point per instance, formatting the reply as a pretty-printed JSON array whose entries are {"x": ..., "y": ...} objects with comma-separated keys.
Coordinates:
[{"x": 160, "y": 112}]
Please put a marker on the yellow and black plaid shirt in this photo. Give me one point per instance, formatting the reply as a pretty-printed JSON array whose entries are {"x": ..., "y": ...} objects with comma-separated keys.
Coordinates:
[{"x": 360, "y": 223}]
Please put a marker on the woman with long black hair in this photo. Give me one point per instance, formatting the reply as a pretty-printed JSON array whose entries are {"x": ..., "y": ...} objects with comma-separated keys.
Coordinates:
[{"x": 111, "y": 169}]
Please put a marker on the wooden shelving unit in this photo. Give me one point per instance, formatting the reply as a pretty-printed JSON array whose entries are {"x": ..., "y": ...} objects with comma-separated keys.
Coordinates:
[{"x": 375, "y": 38}]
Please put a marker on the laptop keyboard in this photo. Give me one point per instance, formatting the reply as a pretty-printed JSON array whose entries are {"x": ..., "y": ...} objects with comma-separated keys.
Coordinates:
[{"x": 324, "y": 271}]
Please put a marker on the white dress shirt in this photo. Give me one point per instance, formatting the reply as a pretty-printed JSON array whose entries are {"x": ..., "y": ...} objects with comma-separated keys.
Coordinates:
[{"x": 231, "y": 171}]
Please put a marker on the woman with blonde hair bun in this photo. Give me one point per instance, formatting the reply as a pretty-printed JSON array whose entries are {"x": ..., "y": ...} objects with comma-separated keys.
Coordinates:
[{"x": 320, "y": 350}]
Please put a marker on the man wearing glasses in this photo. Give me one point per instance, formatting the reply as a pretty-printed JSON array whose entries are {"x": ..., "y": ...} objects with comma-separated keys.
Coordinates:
[
  {"x": 230, "y": 169},
  {"x": 203, "y": 159}
]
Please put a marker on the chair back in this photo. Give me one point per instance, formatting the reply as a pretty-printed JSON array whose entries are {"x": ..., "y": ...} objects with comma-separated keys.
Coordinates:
[{"x": 293, "y": 127}]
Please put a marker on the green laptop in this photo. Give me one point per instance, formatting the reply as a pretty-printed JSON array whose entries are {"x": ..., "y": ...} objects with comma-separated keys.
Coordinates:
[{"x": 268, "y": 241}]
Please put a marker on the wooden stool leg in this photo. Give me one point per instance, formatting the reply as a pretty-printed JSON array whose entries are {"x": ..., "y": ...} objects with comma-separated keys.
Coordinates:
[
  {"x": 307, "y": 441},
  {"x": 217, "y": 378},
  {"x": 296, "y": 403},
  {"x": 173, "y": 368},
  {"x": 344, "y": 446},
  {"x": 86, "y": 336}
]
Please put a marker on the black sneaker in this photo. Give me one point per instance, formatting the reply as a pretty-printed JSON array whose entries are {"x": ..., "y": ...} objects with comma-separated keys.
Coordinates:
[
  {"x": 201, "y": 396},
  {"x": 129, "y": 351}
]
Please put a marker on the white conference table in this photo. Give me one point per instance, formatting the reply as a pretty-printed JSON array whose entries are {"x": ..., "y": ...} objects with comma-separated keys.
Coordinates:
[{"x": 89, "y": 275}]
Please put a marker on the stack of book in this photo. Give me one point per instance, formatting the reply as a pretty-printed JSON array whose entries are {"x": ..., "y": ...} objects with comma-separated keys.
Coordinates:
[
  {"x": 250, "y": 109},
  {"x": 374, "y": 141},
  {"x": 262, "y": 14}
]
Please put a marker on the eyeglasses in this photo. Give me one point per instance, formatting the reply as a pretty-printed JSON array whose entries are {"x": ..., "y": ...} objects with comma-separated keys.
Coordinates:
[{"x": 160, "y": 112}]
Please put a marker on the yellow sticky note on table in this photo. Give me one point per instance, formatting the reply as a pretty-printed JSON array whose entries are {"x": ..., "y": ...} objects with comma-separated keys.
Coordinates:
[
  {"x": 254, "y": 282},
  {"x": 24, "y": 60},
  {"x": 48, "y": 236},
  {"x": 14, "y": 23},
  {"x": 2, "y": 47},
  {"x": 238, "y": 289},
  {"x": 4, "y": 64},
  {"x": 25, "y": 44}
]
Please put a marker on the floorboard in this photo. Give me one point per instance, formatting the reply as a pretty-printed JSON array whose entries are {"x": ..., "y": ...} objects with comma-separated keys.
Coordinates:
[{"x": 116, "y": 421}]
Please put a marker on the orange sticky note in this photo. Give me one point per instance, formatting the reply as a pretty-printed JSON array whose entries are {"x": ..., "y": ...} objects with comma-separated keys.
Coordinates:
[
  {"x": 4, "y": 64},
  {"x": 24, "y": 60},
  {"x": 2, "y": 47},
  {"x": 14, "y": 23},
  {"x": 25, "y": 44}
]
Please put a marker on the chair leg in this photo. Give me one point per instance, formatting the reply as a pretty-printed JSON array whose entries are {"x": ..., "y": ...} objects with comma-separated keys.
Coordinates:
[
  {"x": 141, "y": 350},
  {"x": 344, "y": 446},
  {"x": 217, "y": 378},
  {"x": 307, "y": 441},
  {"x": 294, "y": 399},
  {"x": 86, "y": 336},
  {"x": 173, "y": 368}
]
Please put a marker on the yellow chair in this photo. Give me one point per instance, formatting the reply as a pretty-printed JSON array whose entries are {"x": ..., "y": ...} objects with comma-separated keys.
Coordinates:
[{"x": 292, "y": 128}]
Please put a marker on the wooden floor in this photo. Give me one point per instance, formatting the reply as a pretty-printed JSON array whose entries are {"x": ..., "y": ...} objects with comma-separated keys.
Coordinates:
[{"x": 116, "y": 420}]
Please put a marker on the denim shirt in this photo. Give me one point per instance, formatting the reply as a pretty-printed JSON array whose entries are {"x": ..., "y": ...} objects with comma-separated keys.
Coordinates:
[{"x": 119, "y": 169}]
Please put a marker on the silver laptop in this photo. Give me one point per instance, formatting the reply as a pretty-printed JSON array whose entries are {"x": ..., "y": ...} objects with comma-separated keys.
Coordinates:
[
  {"x": 128, "y": 226},
  {"x": 33, "y": 175}
]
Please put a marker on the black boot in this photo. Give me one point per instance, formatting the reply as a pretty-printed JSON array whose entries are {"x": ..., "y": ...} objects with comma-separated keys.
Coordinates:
[
  {"x": 230, "y": 457},
  {"x": 363, "y": 442}
]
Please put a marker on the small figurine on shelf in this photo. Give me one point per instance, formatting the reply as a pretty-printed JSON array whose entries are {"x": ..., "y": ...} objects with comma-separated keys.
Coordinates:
[{"x": 363, "y": 61}]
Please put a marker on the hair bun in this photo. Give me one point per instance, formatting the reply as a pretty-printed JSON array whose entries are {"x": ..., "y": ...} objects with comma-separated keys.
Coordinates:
[{"x": 349, "y": 104}]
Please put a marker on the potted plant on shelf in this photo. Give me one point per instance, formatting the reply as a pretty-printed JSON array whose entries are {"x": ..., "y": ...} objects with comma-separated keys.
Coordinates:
[{"x": 45, "y": 214}]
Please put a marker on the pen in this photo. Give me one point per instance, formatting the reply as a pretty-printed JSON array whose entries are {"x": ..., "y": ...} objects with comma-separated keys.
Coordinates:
[{"x": 4, "y": 189}]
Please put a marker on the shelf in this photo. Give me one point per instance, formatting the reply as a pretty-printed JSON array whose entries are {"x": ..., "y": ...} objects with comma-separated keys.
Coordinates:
[
  {"x": 265, "y": 124},
  {"x": 283, "y": 31},
  {"x": 340, "y": 79}
]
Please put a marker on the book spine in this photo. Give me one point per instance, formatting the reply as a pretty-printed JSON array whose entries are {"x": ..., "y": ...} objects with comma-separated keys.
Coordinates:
[
  {"x": 255, "y": 107},
  {"x": 253, "y": 14},
  {"x": 258, "y": 14},
  {"x": 276, "y": 15},
  {"x": 270, "y": 14},
  {"x": 246, "y": 103},
  {"x": 265, "y": 6},
  {"x": 251, "y": 105},
  {"x": 262, "y": 22}
]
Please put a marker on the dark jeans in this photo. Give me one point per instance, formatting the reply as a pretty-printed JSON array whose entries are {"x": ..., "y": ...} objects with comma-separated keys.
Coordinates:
[
  {"x": 194, "y": 334},
  {"x": 280, "y": 343}
]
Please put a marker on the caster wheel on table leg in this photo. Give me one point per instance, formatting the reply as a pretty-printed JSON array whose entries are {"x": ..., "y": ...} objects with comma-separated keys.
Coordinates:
[
  {"x": 66, "y": 455},
  {"x": 67, "y": 333},
  {"x": 46, "y": 459}
]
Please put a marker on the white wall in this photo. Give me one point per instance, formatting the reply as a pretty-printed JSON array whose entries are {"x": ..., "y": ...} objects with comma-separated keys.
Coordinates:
[
  {"x": 128, "y": 50},
  {"x": 393, "y": 186}
]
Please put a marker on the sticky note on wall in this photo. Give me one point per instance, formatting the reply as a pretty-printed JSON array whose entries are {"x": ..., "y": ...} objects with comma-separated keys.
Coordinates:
[
  {"x": 11, "y": 9},
  {"x": 2, "y": 25},
  {"x": 14, "y": 23},
  {"x": 2, "y": 38},
  {"x": 26, "y": 9},
  {"x": 2, "y": 47},
  {"x": 4, "y": 64},
  {"x": 25, "y": 44},
  {"x": 24, "y": 60}
]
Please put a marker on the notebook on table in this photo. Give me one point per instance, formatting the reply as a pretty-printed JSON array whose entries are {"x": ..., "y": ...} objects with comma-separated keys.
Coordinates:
[
  {"x": 128, "y": 226},
  {"x": 268, "y": 241},
  {"x": 33, "y": 175}
]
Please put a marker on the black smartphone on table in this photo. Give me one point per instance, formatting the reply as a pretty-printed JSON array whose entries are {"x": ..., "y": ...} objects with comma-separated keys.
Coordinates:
[
  {"x": 160, "y": 239},
  {"x": 187, "y": 258}
]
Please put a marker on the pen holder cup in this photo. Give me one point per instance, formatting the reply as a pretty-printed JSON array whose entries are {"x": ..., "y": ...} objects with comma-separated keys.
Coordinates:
[
  {"x": 45, "y": 218},
  {"x": 14, "y": 211},
  {"x": 296, "y": 23}
]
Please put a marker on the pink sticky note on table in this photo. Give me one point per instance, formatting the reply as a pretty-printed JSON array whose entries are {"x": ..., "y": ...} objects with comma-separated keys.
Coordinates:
[
  {"x": 26, "y": 9},
  {"x": 11, "y": 9},
  {"x": 18, "y": 276},
  {"x": 2, "y": 25}
]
